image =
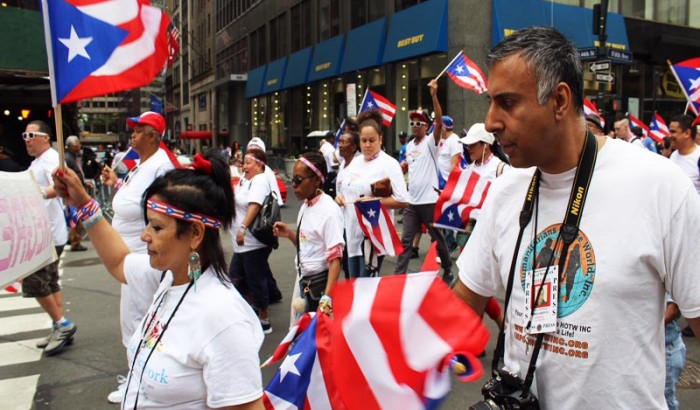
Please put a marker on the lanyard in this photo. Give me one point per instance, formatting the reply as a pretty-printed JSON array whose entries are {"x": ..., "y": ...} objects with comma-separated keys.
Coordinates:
[{"x": 567, "y": 234}]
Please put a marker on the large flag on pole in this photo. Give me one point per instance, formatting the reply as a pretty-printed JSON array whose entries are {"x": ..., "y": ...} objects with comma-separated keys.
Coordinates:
[
  {"x": 658, "y": 128},
  {"x": 465, "y": 73},
  {"x": 688, "y": 76},
  {"x": 374, "y": 101},
  {"x": 464, "y": 194},
  {"x": 589, "y": 108},
  {"x": 97, "y": 47},
  {"x": 377, "y": 226}
]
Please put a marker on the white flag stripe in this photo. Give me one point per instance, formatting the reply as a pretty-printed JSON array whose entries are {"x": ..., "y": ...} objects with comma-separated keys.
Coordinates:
[
  {"x": 388, "y": 242},
  {"x": 279, "y": 403},
  {"x": 385, "y": 106},
  {"x": 24, "y": 323},
  {"x": 415, "y": 332},
  {"x": 471, "y": 81},
  {"x": 17, "y": 302},
  {"x": 317, "y": 394},
  {"x": 114, "y": 12},
  {"x": 369, "y": 352},
  {"x": 24, "y": 351},
  {"x": 18, "y": 393}
]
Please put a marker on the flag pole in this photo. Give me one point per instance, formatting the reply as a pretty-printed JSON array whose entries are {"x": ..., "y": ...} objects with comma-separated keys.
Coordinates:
[
  {"x": 364, "y": 97},
  {"x": 673, "y": 70},
  {"x": 461, "y": 52},
  {"x": 58, "y": 115}
]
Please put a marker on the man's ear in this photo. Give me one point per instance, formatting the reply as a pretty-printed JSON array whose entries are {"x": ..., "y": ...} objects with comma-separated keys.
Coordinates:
[{"x": 561, "y": 95}]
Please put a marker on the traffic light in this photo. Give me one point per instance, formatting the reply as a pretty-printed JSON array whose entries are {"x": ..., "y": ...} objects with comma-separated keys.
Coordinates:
[{"x": 600, "y": 19}]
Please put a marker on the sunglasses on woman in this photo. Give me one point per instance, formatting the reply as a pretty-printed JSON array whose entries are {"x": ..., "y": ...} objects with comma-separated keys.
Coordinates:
[
  {"x": 416, "y": 123},
  {"x": 31, "y": 134},
  {"x": 296, "y": 179}
]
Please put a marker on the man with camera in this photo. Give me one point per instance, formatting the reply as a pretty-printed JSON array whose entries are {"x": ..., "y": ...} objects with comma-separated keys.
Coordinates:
[{"x": 610, "y": 267}]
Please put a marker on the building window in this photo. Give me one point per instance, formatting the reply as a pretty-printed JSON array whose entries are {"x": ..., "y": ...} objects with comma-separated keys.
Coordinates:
[
  {"x": 278, "y": 37},
  {"x": 328, "y": 19},
  {"x": 366, "y": 11},
  {"x": 257, "y": 48},
  {"x": 672, "y": 11},
  {"x": 301, "y": 26},
  {"x": 202, "y": 101},
  {"x": 404, "y": 4}
]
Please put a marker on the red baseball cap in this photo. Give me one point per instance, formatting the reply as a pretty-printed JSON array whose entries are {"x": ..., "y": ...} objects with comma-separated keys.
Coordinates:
[
  {"x": 419, "y": 115},
  {"x": 151, "y": 118}
]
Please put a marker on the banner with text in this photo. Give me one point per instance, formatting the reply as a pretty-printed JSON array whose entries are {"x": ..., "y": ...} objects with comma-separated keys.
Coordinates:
[{"x": 25, "y": 232}]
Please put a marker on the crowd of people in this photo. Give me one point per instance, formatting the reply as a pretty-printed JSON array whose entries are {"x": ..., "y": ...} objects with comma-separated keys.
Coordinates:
[{"x": 595, "y": 222}]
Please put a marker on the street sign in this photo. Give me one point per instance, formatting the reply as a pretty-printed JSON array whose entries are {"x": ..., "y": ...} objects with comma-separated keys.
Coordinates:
[
  {"x": 620, "y": 56},
  {"x": 603, "y": 65},
  {"x": 605, "y": 77},
  {"x": 587, "y": 53}
]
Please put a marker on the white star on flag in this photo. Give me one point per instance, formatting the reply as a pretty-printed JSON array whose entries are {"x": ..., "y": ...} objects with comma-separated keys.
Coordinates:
[
  {"x": 460, "y": 69},
  {"x": 371, "y": 214},
  {"x": 76, "y": 45},
  {"x": 289, "y": 366},
  {"x": 694, "y": 83},
  {"x": 450, "y": 216},
  {"x": 370, "y": 105}
]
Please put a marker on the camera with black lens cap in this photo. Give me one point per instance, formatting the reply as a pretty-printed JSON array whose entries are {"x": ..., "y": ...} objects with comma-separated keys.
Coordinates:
[{"x": 506, "y": 391}]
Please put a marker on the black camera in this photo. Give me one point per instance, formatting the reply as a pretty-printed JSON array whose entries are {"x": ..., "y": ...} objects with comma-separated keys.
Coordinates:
[{"x": 506, "y": 391}]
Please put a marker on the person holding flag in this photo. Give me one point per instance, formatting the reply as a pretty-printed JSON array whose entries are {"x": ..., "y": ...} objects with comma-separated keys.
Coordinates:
[
  {"x": 360, "y": 179},
  {"x": 128, "y": 221}
]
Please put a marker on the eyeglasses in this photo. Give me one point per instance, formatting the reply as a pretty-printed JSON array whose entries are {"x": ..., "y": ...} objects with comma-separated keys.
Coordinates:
[
  {"x": 416, "y": 123},
  {"x": 31, "y": 134},
  {"x": 296, "y": 179}
]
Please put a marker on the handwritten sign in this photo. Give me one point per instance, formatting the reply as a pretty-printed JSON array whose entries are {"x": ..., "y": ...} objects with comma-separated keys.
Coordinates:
[{"x": 25, "y": 232}]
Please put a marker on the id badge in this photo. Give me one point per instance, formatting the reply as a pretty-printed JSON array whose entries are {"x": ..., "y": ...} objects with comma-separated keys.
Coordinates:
[{"x": 544, "y": 317}]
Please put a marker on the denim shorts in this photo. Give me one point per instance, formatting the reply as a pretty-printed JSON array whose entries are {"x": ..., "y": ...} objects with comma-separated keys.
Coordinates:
[{"x": 43, "y": 282}]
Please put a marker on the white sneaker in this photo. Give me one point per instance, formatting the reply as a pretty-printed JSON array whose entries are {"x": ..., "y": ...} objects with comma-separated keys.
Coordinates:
[{"x": 117, "y": 396}]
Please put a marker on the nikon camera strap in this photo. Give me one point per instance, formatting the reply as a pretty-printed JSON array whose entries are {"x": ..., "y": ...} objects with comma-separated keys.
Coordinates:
[{"x": 567, "y": 234}]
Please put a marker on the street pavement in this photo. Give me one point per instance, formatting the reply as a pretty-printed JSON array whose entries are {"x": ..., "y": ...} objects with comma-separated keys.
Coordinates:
[{"x": 84, "y": 374}]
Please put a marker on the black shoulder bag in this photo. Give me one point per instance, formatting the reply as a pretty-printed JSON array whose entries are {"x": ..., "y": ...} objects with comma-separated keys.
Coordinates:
[
  {"x": 262, "y": 226},
  {"x": 505, "y": 387}
]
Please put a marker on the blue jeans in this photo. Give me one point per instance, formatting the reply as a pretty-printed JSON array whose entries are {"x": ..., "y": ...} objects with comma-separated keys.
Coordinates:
[
  {"x": 675, "y": 361},
  {"x": 358, "y": 269}
]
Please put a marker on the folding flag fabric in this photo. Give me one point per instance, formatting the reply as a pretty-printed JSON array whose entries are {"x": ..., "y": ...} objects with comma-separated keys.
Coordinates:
[
  {"x": 688, "y": 75},
  {"x": 97, "y": 47},
  {"x": 130, "y": 159},
  {"x": 464, "y": 193},
  {"x": 286, "y": 343},
  {"x": 465, "y": 73},
  {"x": 658, "y": 128},
  {"x": 305, "y": 378},
  {"x": 372, "y": 101},
  {"x": 636, "y": 122},
  {"x": 377, "y": 226},
  {"x": 394, "y": 338},
  {"x": 589, "y": 108}
]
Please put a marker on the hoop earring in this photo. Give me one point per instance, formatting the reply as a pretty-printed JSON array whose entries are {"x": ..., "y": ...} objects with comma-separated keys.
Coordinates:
[{"x": 194, "y": 267}]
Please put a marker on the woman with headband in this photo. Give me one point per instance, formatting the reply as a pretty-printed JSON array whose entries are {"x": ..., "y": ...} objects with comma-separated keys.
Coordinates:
[
  {"x": 319, "y": 235},
  {"x": 360, "y": 179},
  {"x": 250, "y": 268},
  {"x": 198, "y": 325}
]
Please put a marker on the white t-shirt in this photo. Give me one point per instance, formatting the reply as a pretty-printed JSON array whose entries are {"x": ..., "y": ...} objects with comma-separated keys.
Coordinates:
[
  {"x": 320, "y": 229},
  {"x": 128, "y": 213},
  {"x": 448, "y": 148},
  {"x": 328, "y": 152},
  {"x": 247, "y": 191},
  {"x": 422, "y": 171},
  {"x": 608, "y": 351},
  {"x": 355, "y": 182},
  {"x": 208, "y": 355},
  {"x": 128, "y": 222},
  {"x": 272, "y": 178},
  {"x": 42, "y": 167},
  {"x": 690, "y": 164}
]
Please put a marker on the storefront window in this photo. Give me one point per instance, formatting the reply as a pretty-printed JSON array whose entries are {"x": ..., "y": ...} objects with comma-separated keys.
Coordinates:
[
  {"x": 323, "y": 101},
  {"x": 277, "y": 119}
]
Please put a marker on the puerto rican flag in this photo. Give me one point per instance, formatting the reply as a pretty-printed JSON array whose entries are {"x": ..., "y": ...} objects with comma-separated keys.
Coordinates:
[
  {"x": 688, "y": 75},
  {"x": 657, "y": 128},
  {"x": 294, "y": 332},
  {"x": 131, "y": 158},
  {"x": 99, "y": 47},
  {"x": 464, "y": 193},
  {"x": 634, "y": 121},
  {"x": 465, "y": 73},
  {"x": 589, "y": 108},
  {"x": 377, "y": 226},
  {"x": 375, "y": 101}
]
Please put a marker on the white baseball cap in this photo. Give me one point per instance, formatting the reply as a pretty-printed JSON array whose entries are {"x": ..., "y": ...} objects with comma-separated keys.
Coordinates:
[
  {"x": 477, "y": 133},
  {"x": 257, "y": 143}
]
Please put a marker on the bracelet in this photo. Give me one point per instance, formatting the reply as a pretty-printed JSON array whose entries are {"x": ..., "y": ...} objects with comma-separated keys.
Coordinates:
[
  {"x": 89, "y": 224},
  {"x": 118, "y": 184},
  {"x": 326, "y": 299},
  {"x": 89, "y": 213}
]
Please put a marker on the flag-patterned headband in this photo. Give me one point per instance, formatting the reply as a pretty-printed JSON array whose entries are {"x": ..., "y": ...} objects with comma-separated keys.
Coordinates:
[
  {"x": 313, "y": 168},
  {"x": 169, "y": 210},
  {"x": 249, "y": 156}
]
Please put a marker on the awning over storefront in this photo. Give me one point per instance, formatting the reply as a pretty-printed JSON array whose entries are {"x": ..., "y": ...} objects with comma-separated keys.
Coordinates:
[
  {"x": 574, "y": 22},
  {"x": 297, "y": 68},
  {"x": 421, "y": 29},
  {"x": 253, "y": 87},
  {"x": 327, "y": 58},
  {"x": 274, "y": 76},
  {"x": 365, "y": 46},
  {"x": 195, "y": 135}
]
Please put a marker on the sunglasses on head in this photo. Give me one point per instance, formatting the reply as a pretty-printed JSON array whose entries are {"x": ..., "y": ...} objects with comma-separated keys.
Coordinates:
[
  {"x": 31, "y": 134},
  {"x": 416, "y": 123},
  {"x": 296, "y": 179}
]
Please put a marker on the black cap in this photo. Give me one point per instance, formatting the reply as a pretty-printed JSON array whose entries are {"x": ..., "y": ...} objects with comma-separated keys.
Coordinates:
[
  {"x": 595, "y": 120},
  {"x": 403, "y": 134},
  {"x": 330, "y": 134},
  {"x": 637, "y": 131}
]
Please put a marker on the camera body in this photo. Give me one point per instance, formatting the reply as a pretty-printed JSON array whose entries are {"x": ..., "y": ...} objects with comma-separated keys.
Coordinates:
[{"x": 506, "y": 391}]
